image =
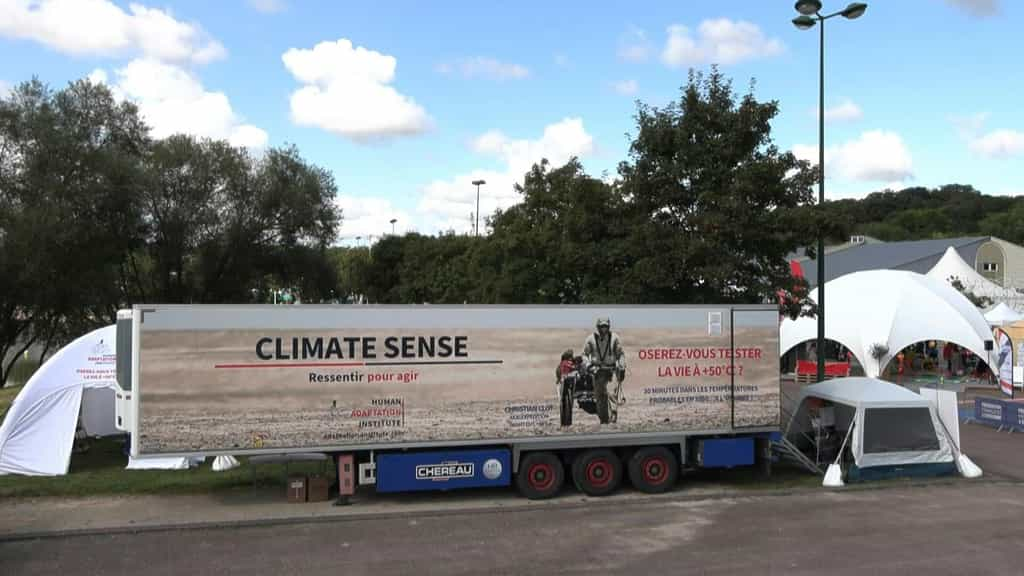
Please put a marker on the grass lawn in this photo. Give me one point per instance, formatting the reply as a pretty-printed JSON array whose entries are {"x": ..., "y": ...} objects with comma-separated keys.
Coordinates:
[
  {"x": 101, "y": 470},
  {"x": 6, "y": 397}
]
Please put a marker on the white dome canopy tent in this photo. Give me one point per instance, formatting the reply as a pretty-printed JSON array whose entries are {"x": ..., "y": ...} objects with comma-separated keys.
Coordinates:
[
  {"x": 76, "y": 384},
  {"x": 951, "y": 266},
  {"x": 877, "y": 313},
  {"x": 37, "y": 434}
]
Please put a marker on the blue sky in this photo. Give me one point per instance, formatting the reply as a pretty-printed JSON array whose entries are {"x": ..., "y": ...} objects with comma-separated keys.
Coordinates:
[{"x": 408, "y": 102}]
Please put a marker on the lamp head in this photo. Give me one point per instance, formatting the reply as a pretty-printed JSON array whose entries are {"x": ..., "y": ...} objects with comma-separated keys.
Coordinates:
[
  {"x": 804, "y": 22},
  {"x": 808, "y": 7},
  {"x": 854, "y": 10}
]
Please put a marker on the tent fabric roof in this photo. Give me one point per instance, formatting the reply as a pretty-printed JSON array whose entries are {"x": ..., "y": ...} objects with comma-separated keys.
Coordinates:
[
  {"x": 916, "y": 256},
  {"x": 891, "y": 307},
  {"x": 1001, "y": 313},
  {"x": 863, "y": 392},
  {"x": 952, "y": 265}
]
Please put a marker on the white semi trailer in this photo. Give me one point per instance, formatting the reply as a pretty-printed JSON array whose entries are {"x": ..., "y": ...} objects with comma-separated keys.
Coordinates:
[{"x": 442, "y": 397}]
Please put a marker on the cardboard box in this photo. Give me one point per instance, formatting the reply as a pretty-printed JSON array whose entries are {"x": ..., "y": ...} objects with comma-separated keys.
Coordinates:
[
  {"x": 318, "y": 489},
  {"x": 297, "y": 486}
]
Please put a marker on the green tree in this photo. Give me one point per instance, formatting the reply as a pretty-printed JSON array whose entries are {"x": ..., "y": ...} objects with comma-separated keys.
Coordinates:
[
  {"x": 923, "y": 223},
  {"x": 717, "y": 205},
  {"x": 1005, "y": 224},
  {"x": 70, "y": 171},
  {"x": 563, "y": 243}
]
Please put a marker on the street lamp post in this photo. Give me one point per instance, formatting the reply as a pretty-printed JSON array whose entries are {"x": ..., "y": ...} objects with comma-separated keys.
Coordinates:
[
  {"x": 810, "y": 14},
  {"x": 476, "y": 224},
  {"x": 393, "y": 220}
]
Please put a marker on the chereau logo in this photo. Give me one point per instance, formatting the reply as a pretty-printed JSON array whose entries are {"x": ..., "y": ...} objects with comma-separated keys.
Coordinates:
[{"x": 444, "y": 471}]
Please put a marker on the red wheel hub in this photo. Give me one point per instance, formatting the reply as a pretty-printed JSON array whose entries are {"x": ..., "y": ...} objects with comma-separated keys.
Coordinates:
[
  {"x": 655, "y": 470},
  {"x": 599, "y": 473},
  {"x": 541, "y": 476}
]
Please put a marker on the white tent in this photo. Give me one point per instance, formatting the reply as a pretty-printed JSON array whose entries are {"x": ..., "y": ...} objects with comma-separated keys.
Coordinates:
[
  {"x": 892, "y": 308},
  {"x": 895, "y": 431},
  {"x": 1002, "y": 314},
  {"x": 37, "y": 435},
  {"x": 951, "y": 265}
]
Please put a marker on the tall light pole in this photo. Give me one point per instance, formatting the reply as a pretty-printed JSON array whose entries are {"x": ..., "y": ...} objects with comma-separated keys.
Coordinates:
[
  {"x": 476, "y": 225},
  {"x": 810, "y": 14},
  {"x": 393, "y": 220}
]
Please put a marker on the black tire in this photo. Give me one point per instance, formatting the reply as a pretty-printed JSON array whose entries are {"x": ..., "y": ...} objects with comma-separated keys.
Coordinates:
[
  {"x": 565, "y": 410},
  {"x": 597, "y": 472},
  {"x": 653, "y": 470},
  {"x": 540, "y": 476}
]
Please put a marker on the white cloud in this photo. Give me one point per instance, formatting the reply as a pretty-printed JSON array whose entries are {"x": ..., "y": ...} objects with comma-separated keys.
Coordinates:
[
  {"x": 483, "y": 67},
  {"x": 626, "y": 87},
  {"x": 999, "y": 144},
  {"x": 173, "y": 101},
  {"x": 719, "y": 41},
  {"x": 346, "y": 90},
  {"x": 448, "y": 204},
  {"x": 268, "y": 6},
  {"x": 842, "y": 112},
  {"x": 491, "y": 142},
  {"x": 101, "y": 28},
  {"x": 5, "y": 89},
  {"x": 875, "y": 156},
  {"x": 366, "y": 216},
  {"x": 969, "y": 126},
  {"x": 98, "y": 76},
  {"x": 980, "y": 8},
  {"x": 634, "y": 45}
]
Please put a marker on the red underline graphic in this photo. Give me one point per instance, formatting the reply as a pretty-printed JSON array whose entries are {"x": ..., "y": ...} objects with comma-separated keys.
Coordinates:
[
  {"x": 303, "y": 365},
  {"x": 357, "y": 364}
]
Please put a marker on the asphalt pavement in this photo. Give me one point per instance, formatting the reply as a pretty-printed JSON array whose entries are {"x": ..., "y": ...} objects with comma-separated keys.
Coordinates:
[
  {"x": 953, "y": 528},
  {"x": 999, "y": 454}
]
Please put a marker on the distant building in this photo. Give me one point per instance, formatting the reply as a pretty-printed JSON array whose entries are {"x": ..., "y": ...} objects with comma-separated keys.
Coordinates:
[{"x": 994, "y": 258}]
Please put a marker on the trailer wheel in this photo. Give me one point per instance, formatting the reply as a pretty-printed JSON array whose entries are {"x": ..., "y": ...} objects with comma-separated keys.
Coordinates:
[
  {"x": 565, "y": 410},
  {"x": 653, "y": 469},
  {"x": 597, "y": 472},
  {"x": 540, "y": 475}
]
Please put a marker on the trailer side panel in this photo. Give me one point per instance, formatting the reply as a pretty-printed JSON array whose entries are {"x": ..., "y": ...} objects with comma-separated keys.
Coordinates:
[{"x": 239, "y": 379}]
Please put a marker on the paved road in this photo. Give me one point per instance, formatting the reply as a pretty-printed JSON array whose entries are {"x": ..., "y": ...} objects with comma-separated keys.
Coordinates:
[
  {"x": 941, "y": 529},
  {"x": 997, "y": 453}
]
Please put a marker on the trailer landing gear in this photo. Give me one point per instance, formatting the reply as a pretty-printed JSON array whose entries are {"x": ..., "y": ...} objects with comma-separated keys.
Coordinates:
[{"x": 540, "y": 476}]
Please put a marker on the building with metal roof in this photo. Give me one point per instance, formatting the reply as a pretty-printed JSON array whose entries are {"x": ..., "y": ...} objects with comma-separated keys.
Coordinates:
[{"x": 997, "y": 260}]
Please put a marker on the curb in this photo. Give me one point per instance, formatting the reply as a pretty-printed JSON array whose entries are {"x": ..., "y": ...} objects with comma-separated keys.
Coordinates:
[{"x": 634, "y": 499}]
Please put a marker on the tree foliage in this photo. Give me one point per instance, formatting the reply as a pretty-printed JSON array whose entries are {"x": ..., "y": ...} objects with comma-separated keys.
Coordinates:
[
  {"x": 705, "y": 210},
  {"x": 717, "y": 205},
  {"x": 96, "y": 215},
  {"x": 918, "y": 213}
]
